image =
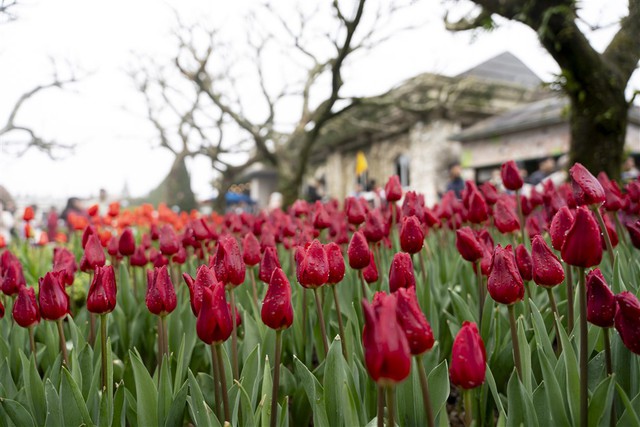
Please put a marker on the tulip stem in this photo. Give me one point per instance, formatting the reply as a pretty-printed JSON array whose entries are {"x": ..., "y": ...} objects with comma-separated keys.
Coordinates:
[
  {"x": 467, "y": 395},
  {"x": 584, "y": 336},
  {"x": 165, "y": 335},
  {"x": 570, "y": 297},
  {"x": 605, "y": 233},
  {"x": 391, "y": 403},
  {"x": 620, "y": 228},
  {"x": 523, "y": 231},
  {"x": 223, "y": 384},
  {"x": 32, "y": 340},
  {"x": 380, "y": 414},
  {"x": 134, "y": 282},
  {"x": 254, "y": 290},
  {"x": 160, "y": 343},
  {"x": 323, "y": 329},
  {"x": 92, "y": 319},
  {"x": 555, "y": 314},
  {"x": 481, "y": 296},
  {"x": 426, "y": 398},
  {"x": 63, "y": 342},
  {"x": 276, "y": 379},
  {"x": 607, "y": 351},
  {"x": 215, "y": 371},
  {"x": 362, "y": 285},
  {"x": 514, "y": 340},
  {"x": 343, "y": 343},
  {"x": 103, "y": 345},
  {"x": 234, "y": 337}
]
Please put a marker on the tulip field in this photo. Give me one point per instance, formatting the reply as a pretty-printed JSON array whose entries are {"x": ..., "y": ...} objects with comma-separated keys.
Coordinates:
[{"x": 496, "y": 309}]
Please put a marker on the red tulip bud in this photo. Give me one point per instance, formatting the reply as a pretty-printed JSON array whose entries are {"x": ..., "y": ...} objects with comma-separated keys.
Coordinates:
[
  {"x": 614, "y": 199},
  {"x": 93, "y": 254},
  {"x": 582, "y": 246},
  {"x": 161, "y": 296},
  {"x": 102, "y": 292},
  {"x": 547, "y": 269},
  {"x": 25, "y": 308},
  {"x": 65, "y": 262},
  {"x": 511, "y": 176},
  {"x": 112, "y": 247},
  {"x": 54, "y": 301},
  {"x": 477, "y": 209},
  {"x": 355, "y": 212},
  {"x": 504, "y": 217},
  {"x": 168, "y": 240},
  {"x": 336, "y": 263},
  {"x": 393, "y": 189},
  {"x": 205, "y": 278},
  {"x": 138, "y": 259},
  {"x": 505, "y": 283},
  {"x": 269, "y": 263},
  {"x": 320, "y": 217},
  {"x": 587, "y": 190},
  {"x": 634, "y": 233},
  {"x": 374, "y": 229},
  {"x": 201, "y": 230},
  {"x": 28, "y": 214},
  {"x": 468, "y": 358},
  {"x": 370, "y": 272},
  {"x": 560, "y": 225},
  {"x": 181, "y": 256},
  {"x": 229, "y": 265},
  {"x": 468, "y": 245},
  {"x": 490, "y": 192},
  {"x": 214, "y": 323},
  {"x": 601, "y": 303},
  {"x": 313, "y": 270},
  {"x": 12, "y": 274},
  {"x": 358, "y": 251},
  {"x": 627, "y": 320},
  {"x": 251, "y": 249},
  {"x": 88, "y": 231},
  {"x": 524, "y": 262},
  {"x": 411, "y": 235},
  {"x": 127, "y": 243},
  {"x": 413, "y": 322},
  {"x": 401, "y": 272},
  {"x": 386, "y": 349},
  {"x": 277, "y": 311}
]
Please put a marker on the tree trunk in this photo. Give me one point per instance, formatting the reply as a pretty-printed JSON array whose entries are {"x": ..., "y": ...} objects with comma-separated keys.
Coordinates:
[
  {"x": 224, "y": 183},
  {"x": 175, "y": 189},
  {"x": 598, "y": 131}
]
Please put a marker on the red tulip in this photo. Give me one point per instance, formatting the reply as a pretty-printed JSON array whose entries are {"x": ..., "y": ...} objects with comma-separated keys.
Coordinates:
[
  {"x": 393, "y": 189},
  {"x": 251, "y": 250},
  {"x": 613, "y": 195},
  {"x": 490, "y": 192},
  {"x": 411, "y": 235},
  {"x": 358, "y": 251},
  {"x": 93, "y": 254},
  {"x": 468, "y": 245},
  {"x": 611, "y": 231},
  {"x": 102, "y": 292},
  {"x": 313, "y": 269},
  {"x": 168, "y": 240},
  {"x": 413, "y": 322},
  {"x": 54, "y": 301},
  {"x": 201, "y": 230},
  {"x": 634, "y": 233},
  {"x": 336, "y": 262},
  {"x": 354, "y": 210},
  {"x": 560, "y": 225},
  {"x": 505, "y": 283},
  {"x": 504, "y": 217},
  {"x": 511, "y": 176},
  {"x": 28, "y": 214},
  {"x": 65, "y": 262},
  {"x": 547, "y": 269},
  {"x": 138, "y": 259},
  {"x": 127, "y": 243},
  {"x": 477, "y": 210},
  {"x": 229, "y": 265},
  {"x": 587, "y": 190},
  {"x": 12, "y": 274},
  {"x": 374, "y": 229},
  {"x": 112, "y": 247},
  {"x": 370, "y": 272},
  {"x": 25, "y": 308},
  {"x": 601, "y": 302},
  {"x": 320, "y": 217},
  {"x": 524, "y": 262},
  {"x": 88, "y": 231},
  {"x": 401, "y": 272},
  {"x": 300, "y": 208},
  {"x": 268, "y": 264},
  {"x": 386, "y": 349},
  {"x": 161, "y": 296},
  {"x": 277, "y": 311},
  {"x": 214, "y": 323},
  {"x": 468, "y": 358},
  {"x": 582, "y": 246},
  {"x": 205, "y": 278},
  {"x": 627, "y": 320}
]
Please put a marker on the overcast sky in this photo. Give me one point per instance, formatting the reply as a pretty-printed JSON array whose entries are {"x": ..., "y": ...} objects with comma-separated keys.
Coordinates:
[{"x": 114, "y": 144}]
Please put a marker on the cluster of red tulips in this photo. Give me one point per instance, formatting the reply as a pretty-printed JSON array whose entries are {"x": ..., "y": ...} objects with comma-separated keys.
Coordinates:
[{"x": 583, "y": 219}]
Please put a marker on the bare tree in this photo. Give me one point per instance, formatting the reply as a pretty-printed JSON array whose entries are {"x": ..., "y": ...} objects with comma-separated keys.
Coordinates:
[
  {"x": 6, "y": 10},
  {"x": 595, "y": 82},
  {"x": 274, "y": 95}
]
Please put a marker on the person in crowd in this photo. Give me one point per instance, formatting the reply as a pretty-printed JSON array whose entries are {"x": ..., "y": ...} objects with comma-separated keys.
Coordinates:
[
  {"x": 455, "y": 183},
  {"x": 629, "y": 170},
  {"x": 545, "y": 168},
  {"x": 74, "y": 205}
]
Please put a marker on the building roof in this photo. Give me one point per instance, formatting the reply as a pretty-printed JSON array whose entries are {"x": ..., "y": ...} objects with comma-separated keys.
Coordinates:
[
  {"x": 546, "y": 112},
  {"x": 505, "y": 67}
]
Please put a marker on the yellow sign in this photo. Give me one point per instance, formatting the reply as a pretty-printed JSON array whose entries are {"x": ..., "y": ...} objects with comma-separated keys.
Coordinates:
[{"x": 361, "y": 163}]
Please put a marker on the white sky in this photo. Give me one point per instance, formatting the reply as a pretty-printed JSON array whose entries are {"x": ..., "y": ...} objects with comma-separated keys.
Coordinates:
[{"x": 114, "y": 145}]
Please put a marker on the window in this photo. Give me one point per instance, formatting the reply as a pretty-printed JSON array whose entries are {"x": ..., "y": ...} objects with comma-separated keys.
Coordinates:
[{"x": 402, "y": 169}]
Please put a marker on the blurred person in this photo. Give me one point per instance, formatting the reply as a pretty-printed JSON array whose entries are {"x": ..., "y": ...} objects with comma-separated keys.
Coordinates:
[
  {"x": 455, "y": 183},
  {"x": 6, "y": 223},
  {"x": 559, "y": 175},
  {"x": 545, "y": 168},
  {"x": 74, "y": 205},
  {"x": 275, "y": 201},
  {"x": 629, "y": 170},
  {"x": 103, "y": 202}
]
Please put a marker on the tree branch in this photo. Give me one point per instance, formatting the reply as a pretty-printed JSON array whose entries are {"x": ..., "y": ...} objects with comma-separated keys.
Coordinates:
[{"x": 624, "y": 48}]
